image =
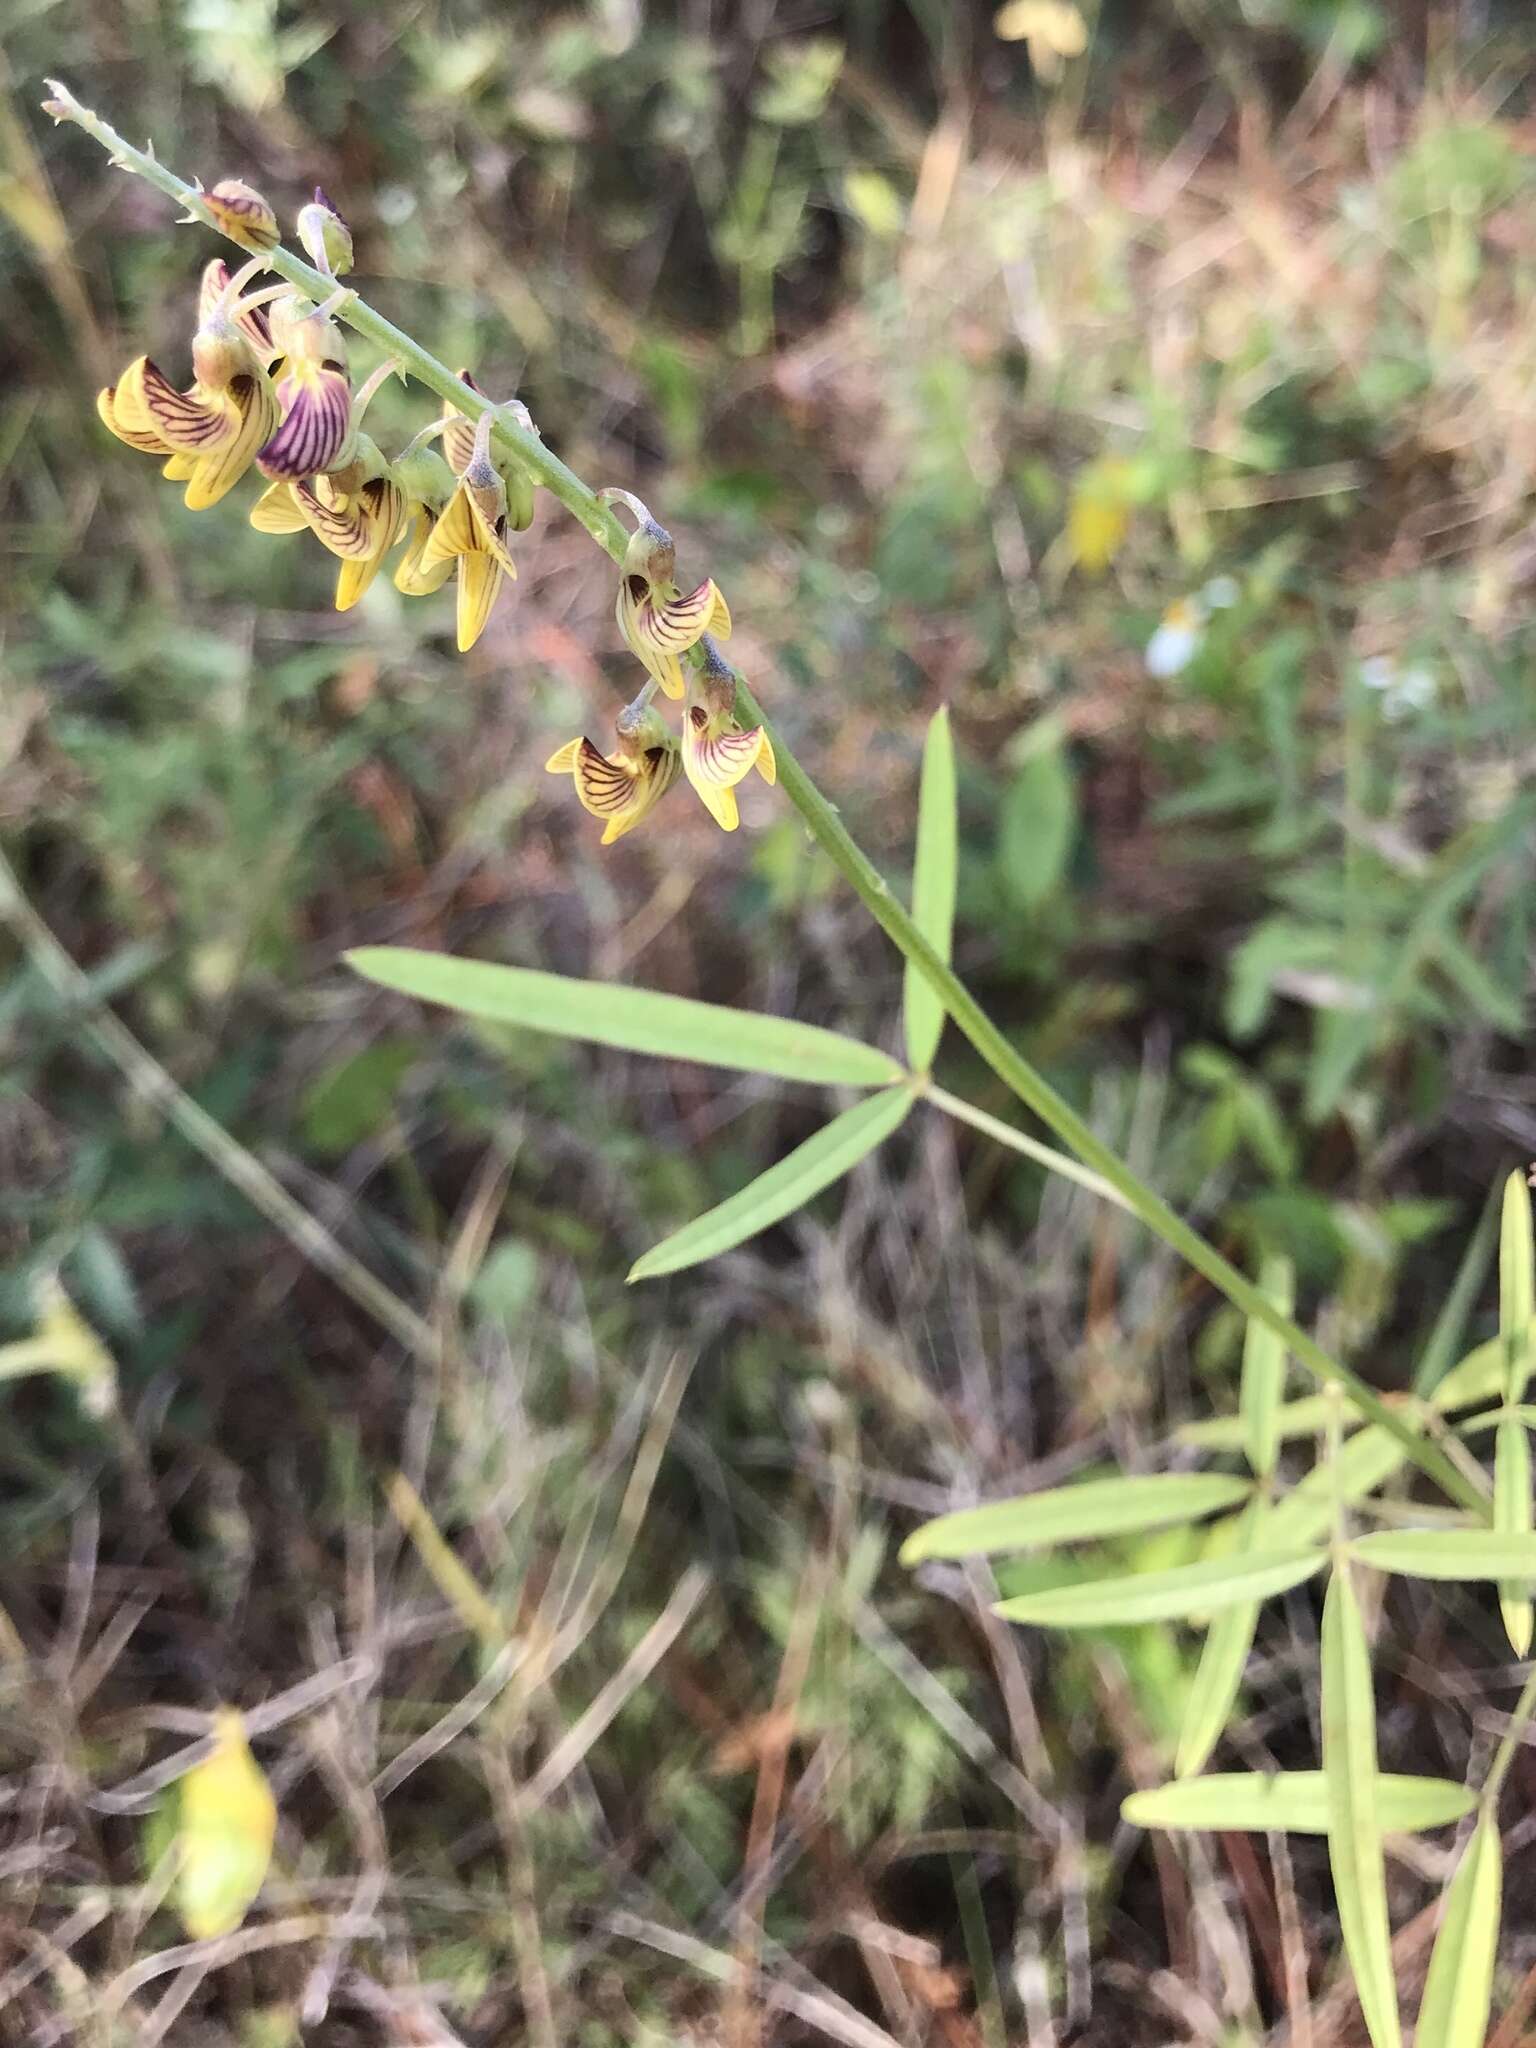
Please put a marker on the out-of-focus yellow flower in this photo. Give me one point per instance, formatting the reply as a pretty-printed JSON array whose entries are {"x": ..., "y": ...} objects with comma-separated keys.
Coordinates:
[
  {"x": 658, "y": 625},
  {"x": 358, "y": 513},
  {"x": 1099, "y": 514},
  {"x": 209, "y": 434},
  {"x": 66, "y": 1344},
  {"x": 717, "y": 753},
  {"x": 1051, "y": 30},
  {"x": 473, "y": 526},
  {"x": 243, "y": 214},
  {"x": 228, "y": 1821},
  {"x": 625, "y": 786}
]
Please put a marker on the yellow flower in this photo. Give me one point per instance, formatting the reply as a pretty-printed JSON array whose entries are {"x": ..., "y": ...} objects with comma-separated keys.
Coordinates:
[
  {"x": 358, "y": 513},
  {"x": 228, "y": 1823},
  {"x": 623, "y": 787},
  {"x": 428, "y": 484},
  {"x": 210, "y": 433},
  {"x": 472, "y": 528},
  {"x": 314, "y": 394},
  {"x": 658, "y": 625},
  {"x": 717, "y": 753},
  {"x": 1052, "y": 30},
  {"x": 1099, "y": 514}
]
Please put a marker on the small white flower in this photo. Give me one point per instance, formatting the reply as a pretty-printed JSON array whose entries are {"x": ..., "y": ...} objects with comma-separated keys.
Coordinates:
[
  {"x": 1403, "y": 691},
  {"x": 1177, "y": 639}
]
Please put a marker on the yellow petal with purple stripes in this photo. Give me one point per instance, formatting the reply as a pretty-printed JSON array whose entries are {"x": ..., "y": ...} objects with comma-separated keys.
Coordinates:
[
  {"x": 142, "y": 438},
  {"x": 256, "y": 415},
  {"x": 416, "y": 576},
  {"x": 563, "y": 760},
  {"x": 277, "y": 511},
  {"x": 189, "y": 422}
]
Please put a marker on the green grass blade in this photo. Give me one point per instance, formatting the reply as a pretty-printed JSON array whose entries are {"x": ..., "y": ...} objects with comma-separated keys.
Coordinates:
[
  {"x": 1517, "y": 1283},
  {"x": 1512, "y": 1518},
  {"x": 1480, "y": 1376},
  {"x": 1170, "y": 1595},
  {"x": 1460, "y": 1300},
  {"x": 788, "y": 1186},
  {"x": 1459, "y": 1988},
  {"x": 1263, "y": 1383},
  {"x": 934, "y": 873},
  {"x": 1354, "y": 1819},
  {"x": 1450, "y": 1553},
  {"x": 1085, "y": 1513},
  {"x": 634, "y": 1019},
  {"x": 1296, "y": 1802},
  {"x": 1223, "y": 1660}
]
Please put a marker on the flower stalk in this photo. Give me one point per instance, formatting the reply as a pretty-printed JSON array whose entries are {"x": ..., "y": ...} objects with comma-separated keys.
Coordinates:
[{"x": 509, "y": 426}]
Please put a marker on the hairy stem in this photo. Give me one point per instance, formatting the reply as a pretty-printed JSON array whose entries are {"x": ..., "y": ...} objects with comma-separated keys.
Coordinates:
[{"x": 825, "y": 826}]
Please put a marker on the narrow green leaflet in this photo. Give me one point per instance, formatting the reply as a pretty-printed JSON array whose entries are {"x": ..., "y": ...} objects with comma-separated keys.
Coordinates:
[
  {"x": 1075, "y": 1514},
  {"x": 1354, "y": 1818},
  {"x": 1309, "y": 1415},
  {"x": 790, "y": 1184},
  {"x": 1517, "y": 1283},
  {"x": 1480, "y": 1376},
  {"x": 1263, "y": 1383},
  {"x": 1459, "y": 1988},
  {"x": 634, "y": 1019},
  {"x": 933, "y": 889},
  {"x": 1294, "y": 1802},
  {"x": 1512, "y": 1518},
  {"x": 1170, "y": 1595},
  {"x": 1367, "y": 1461},
  {"x": 1450, "y": 1553},
  {"x": 1223, "y": 1660}
]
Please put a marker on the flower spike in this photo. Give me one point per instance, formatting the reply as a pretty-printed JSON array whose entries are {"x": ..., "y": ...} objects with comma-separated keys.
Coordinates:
[
  {"x": 624, "y": 787},
  {"x": 717, "y": 754}
]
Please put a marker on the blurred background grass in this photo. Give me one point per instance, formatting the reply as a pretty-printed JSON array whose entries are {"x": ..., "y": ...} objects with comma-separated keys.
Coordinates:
[{"x": 959, "y": 364}]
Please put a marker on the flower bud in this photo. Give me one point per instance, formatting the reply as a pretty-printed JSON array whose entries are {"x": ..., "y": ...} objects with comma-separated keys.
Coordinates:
[
  {"x": 651, "y": 554},
  {"x": 220, "y": 353},
  {"x": 243, "y": 214},
  {"x": 325, "y": 236}
]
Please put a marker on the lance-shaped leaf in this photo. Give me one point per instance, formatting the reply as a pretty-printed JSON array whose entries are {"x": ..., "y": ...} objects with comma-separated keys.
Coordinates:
[
  {"x": 1512, "y": 1518},
  {"x": 1223, "y": 1660},
  {"x": 634, "y": 1019},
  {"x": 1292, "y": 1802},
  {"x": 1368, "y": 1459},
  {"x": 788, "y": 1186},
  {"x": 1309, "y": 1415},
  {"x": 1354, "y": 1818},
  {"x": 1459, "y": 1988},
  {"x": 1263, "y": 1382},
  {"x": 1517, "y": 1284},
  {"x": 1480, "y": 1376},
  {"x": 933, "y": 889},
  {"x": 1450, "y": 1553},
  {"x": 1086, "y": 1513},
  {"x": 1170, "y": 1595}
]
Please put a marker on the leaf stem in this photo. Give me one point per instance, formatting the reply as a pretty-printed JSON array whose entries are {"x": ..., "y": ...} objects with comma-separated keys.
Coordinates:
[
  {"x": 825, "y": 826},
  {"x": 1019, "y": 1141}
]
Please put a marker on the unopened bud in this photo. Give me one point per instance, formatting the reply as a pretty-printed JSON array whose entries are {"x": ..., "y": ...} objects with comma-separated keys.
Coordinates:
[
  {"x": 243, "y": 214},
  {"x": 326, "y": 236},
  {"x": 650, "y": 553}
]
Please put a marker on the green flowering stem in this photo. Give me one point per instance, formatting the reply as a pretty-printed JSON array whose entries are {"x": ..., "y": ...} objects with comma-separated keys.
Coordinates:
[{"x": 824, "y": 824}]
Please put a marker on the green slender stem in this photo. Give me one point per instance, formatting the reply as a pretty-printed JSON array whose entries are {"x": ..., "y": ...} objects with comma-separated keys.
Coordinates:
[
  {"x": 1019, "y": 1141},
  {"x": 827, "y": 828},
  {"x": 1504, "y": 1756}
]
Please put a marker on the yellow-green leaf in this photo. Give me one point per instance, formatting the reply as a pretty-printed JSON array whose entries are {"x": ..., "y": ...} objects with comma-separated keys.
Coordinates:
[
  {"x": 1368, "y": 1459},
  {"x": 228, "y": 1822},
  {"x": 933, "y": 889},
  {"x": 1263, "y": 1382},
  {"x": 1512, "y": 1517},
  {"x": 1450, "y": 1553},
  {"x": 1223, "y": 1659},
  {"x": 1480, "y": 1376},
  {"x": 634, "y": 1019},
  {"x": 1459, "y": 1988},
  {"x": 1085, "y": 1513},
  {"x": 1294, "y": 1802},
  {"x": 1354, "y": 1821},
  {"x": 1170, "y": 1595},
  {"x": 1517, "y": 1284},
  {"x": 1309, "y": 1415},
  {"x": 788, "y": 1186}
]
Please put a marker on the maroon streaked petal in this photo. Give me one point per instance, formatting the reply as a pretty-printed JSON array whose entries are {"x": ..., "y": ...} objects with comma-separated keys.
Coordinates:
[{"x": 317, "y": 418}]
